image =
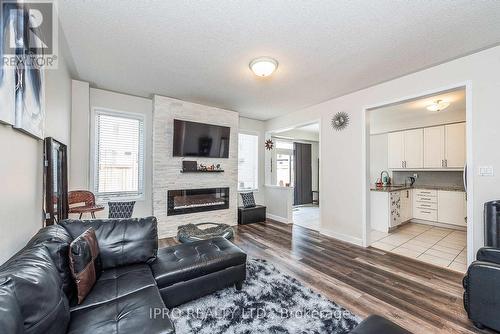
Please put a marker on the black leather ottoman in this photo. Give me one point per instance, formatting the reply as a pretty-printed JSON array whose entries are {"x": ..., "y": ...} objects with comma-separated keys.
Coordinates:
[
  {"x": 255, "y": 214},
  {"x": 189, "y": 271}
]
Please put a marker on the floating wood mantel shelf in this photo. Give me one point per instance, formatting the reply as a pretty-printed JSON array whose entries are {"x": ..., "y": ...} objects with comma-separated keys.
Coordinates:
[{"x": 203, "y": 171}]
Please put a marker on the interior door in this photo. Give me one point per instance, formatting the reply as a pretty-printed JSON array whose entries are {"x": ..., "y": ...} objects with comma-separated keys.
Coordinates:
[
  {"x": 455, "y": 145},
  {"x": 414, "y": 148},
  {"x": 303, "y": 174}
]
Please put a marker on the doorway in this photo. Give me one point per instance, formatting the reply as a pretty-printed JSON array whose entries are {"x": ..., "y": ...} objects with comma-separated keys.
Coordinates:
[
  {"x": 295, "y": 165},
  {"x": 417, "y": 198},
  {"x": 303, "y": 174}
]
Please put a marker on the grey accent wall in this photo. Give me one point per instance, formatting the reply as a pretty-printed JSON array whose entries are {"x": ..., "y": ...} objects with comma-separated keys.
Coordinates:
[{"x": 430, "y": 178}]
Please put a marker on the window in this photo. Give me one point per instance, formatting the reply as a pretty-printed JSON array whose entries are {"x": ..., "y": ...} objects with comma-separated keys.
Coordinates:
[
  {"x": 248, "y": 162},
  {"x": 283, "y": 163},
  {"x": 119, "y": 154}
]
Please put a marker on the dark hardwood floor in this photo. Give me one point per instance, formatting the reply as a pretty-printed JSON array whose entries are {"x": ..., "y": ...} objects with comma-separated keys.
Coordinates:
[{"x": 420, "y": 297}]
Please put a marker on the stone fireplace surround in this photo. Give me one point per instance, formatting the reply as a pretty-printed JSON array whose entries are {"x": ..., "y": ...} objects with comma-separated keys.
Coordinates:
[{"x": 166, "y": 168}]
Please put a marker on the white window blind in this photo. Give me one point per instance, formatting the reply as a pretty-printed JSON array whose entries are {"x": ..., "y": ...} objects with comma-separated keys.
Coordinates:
[
  {"x": 119, "y": 155},
  {"x": 248, "y": 162}
]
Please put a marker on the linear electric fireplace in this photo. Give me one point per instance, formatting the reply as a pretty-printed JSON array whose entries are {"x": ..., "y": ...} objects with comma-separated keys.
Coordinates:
[{"x": 197, "y": 200}]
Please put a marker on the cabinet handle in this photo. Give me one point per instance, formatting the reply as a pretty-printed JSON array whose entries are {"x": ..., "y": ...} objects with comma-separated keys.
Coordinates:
[
  {"x": 425, "y": 211},
  {"x": 402, "y": 164},
  {"x": 424, "y": 205},
  {"x": 445, "y": 162},
  {"x": 442, "y": 163}
]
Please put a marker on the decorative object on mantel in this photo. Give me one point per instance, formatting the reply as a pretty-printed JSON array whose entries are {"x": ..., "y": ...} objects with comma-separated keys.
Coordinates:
[
  {"x": 269, "y": 144},
  {"x": 189, "y": 165},
  {"x": 192, "y": 167},
  {"x": 193, "y": 232},
  {"x": 340, "y": 121}
]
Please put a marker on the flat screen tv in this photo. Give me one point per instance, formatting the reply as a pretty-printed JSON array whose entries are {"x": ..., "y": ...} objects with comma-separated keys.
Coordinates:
[{"x": 193, "y": 139}]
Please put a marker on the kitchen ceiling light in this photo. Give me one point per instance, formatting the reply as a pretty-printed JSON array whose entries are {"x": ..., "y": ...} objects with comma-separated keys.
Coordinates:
[
  {"x": 438, "y": 105},
  {"x": 263, "y": 66}
]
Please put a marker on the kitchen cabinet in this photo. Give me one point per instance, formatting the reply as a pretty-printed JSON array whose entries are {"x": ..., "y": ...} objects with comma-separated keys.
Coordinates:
[
  {"x": 414, "y": 148},
  {"x": 425, "y": 204},
  {"x": 455, "y": 145},
  {"x": 405, "y": 149},
  {"x": 389, "y": 209},
  {"x": 406, "y": 205},
  {"x": 451, "y": 207},
  {"x": 437, "y": 147},
  {"x": 444, "y": 146},
  {"x": 434, "y": 147},
  {"x": 395, "y": 150}
]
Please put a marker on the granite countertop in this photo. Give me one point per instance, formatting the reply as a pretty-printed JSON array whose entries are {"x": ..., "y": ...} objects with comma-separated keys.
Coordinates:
[{"x": 392, "y": 188}]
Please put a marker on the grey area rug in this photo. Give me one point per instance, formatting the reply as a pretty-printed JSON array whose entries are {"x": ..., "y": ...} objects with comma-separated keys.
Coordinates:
[{"x": 270, "y": 302}]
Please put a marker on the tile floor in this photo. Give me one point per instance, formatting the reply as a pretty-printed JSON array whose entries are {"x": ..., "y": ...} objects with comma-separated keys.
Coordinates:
[
  {"x": 436, "y": 245},
  {"x": 307, "y": 216}
]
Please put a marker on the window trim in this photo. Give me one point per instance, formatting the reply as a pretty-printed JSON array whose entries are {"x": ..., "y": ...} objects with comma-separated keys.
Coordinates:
[
  {"x": 123, "y": 195},
  {"x": 257, "y": 134}
]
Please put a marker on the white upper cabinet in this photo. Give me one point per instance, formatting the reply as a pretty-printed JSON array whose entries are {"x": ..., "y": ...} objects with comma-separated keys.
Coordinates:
[
  {"x": 434, "y": 147},
  {"x": 414, "y": 148},
  {"x": 395, "y": 150},
  {"x": 455, "y": 145}
]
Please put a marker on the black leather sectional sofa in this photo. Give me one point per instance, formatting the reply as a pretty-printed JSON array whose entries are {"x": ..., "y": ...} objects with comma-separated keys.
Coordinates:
[
  {"x": 37, "y": 292},
  {"x": 482, "y": 286}
]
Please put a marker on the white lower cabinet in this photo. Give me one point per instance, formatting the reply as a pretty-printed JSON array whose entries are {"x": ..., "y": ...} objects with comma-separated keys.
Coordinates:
[
  {"x": 452, "y": 207},
  {"x": 406, "y": 205},
  {"x": 390, "y": 209},
  {"x": 447, "y": 207}
]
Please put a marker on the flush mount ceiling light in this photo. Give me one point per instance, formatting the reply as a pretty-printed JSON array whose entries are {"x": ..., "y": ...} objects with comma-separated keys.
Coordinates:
[
  {"x": 263, "y": 66},
  {"x": 438, "y": 105}
]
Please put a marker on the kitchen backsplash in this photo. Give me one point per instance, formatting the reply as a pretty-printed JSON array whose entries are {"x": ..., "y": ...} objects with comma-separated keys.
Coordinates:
[{"x": 430, "y": 178}]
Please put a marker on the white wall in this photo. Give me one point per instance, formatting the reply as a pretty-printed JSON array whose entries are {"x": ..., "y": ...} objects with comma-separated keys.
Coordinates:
[
  {"x": 279, "y": 203},
  {"x": 299, "y": 134},
  {"x": 85, "y": 100},
  {"x": 343, "y": 163},
  {"x": 253, "y": 126},
  {"x": 21, "y": 169},
  {"x": 378, "y": 156}
]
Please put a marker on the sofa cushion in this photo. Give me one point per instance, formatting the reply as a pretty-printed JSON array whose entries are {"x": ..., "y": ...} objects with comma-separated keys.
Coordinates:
[
  {"x": 85, "y": 262},
  {"x": 187, "y": 261},
  {"x": 121, "y": 241},
  {"x": 132, "y": 313},
  {"x": 35, "y": 282},
  {"x": 11, "y": 319},
  {"x": 57, "y": 240},
  {"x": 118, "y": 282}
]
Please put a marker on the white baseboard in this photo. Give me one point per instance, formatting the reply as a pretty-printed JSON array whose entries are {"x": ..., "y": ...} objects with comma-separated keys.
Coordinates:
[
  {"x": 278, "y": 218},
  {"x": 342, "y": 237}
]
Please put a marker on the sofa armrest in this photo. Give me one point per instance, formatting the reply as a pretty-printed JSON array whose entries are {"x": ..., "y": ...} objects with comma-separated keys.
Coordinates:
[
  {"x": 121, "y": 241},
  {"x": 482, "y": 293},
  {"x": 488, "y": 254}
]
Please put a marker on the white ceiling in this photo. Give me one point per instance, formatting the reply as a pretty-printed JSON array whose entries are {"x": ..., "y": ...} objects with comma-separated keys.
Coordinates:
[
  {"x": 414, "y": 113},
  {"x": 199, "y": 50}
]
